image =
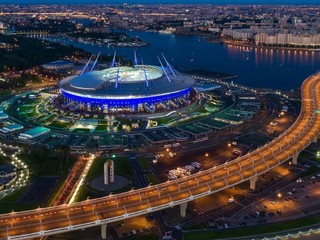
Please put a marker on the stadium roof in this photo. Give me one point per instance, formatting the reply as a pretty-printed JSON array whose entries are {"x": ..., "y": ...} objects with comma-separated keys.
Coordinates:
[{"x": 140, "y": 81}]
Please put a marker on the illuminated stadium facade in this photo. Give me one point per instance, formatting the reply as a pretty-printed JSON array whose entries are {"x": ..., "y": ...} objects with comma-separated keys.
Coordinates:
[{"x": 142, "y": 88}]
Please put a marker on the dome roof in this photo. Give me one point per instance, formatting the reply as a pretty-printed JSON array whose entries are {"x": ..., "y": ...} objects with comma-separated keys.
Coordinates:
[{"x": 136, "y": 81}]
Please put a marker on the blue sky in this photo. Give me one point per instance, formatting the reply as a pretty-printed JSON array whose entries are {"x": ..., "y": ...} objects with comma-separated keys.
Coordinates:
[{"x": 162, "y": 1}]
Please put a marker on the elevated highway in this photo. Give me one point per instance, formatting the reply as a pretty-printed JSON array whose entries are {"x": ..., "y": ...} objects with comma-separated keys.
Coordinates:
[{"x": 95, "y": 212}]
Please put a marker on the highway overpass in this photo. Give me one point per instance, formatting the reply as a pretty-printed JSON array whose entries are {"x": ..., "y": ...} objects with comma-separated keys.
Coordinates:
[{"x": 95, "y": 212}]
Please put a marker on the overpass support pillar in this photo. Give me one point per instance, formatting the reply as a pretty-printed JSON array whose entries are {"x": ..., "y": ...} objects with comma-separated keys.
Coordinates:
[
  {"x": 104, "y": 231},
  {"x": 183, "y": 209},
  {"x": 295, "y": 159},
  {"x": 253, "y": 182}
]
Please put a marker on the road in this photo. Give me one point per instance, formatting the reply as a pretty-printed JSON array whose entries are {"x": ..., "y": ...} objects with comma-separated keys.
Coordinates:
[{"x": 89, "y": 213}]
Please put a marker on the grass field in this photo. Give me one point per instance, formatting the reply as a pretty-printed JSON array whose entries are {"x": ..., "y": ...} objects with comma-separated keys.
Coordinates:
[
  {"x": 121, "y": 168},
  {"x": 276, "y": 227},
  {"x": 13, "y": 197},
  {"x": 59, "y": 124},
  {"x": 8, "y": 207},
  {"x": 143, "y": 163},
  {"x": 41, "y": 162},
  {"x": 152, "y": 179}
]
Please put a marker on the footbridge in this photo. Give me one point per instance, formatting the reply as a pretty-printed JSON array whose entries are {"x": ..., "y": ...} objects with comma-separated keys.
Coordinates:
[{"x": 101, "y": 211}]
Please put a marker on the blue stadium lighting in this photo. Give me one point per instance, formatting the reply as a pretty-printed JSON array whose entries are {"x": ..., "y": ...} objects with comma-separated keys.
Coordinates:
[
  {"x": 124, "y": 102},
  {"x": 86, "y": 66},
  {"x": 114, "y": 59},
  {"x": 95, "y": 62},
  {"x": 124, "y": 88}
]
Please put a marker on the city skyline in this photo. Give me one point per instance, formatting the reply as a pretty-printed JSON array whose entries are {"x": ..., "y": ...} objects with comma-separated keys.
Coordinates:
[
  {"x": 144, "y": 121},
  {"x": 215, "y": 2}
]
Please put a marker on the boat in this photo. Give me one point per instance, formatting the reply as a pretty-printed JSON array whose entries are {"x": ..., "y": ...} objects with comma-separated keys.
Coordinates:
[{"x": 247, "y": 51}]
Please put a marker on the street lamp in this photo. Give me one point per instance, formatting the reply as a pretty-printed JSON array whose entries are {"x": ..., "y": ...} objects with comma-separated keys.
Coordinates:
[
  {"x": 279, "y": 195},
  {"x": 229, "y": 144},
  {"x": 207, "y": 154}
]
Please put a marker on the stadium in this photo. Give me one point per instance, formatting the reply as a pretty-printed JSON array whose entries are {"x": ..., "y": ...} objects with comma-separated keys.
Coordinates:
[{"x": 122, "y": 89}]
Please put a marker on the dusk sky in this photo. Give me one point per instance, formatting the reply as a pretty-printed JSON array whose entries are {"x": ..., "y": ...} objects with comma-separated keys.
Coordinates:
[{"x": 161, "y": 1}]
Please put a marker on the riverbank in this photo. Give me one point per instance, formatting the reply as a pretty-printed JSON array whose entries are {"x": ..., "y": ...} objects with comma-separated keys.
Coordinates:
[
  {"x": 254, "y": 46},
  {"x": 209, "y": 74}
]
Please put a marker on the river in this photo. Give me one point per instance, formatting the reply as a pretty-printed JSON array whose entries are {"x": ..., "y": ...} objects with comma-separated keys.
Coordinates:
[{"x": 262, "y": 68}]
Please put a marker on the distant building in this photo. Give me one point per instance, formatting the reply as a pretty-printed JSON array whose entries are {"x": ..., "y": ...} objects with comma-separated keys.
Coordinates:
[
  {"x": 33, "y": 133},
  {"x": 288, "y": 39},
  {"x": 3, "y": 26},
  {"x": 240, "y": 34},
  {"x": 97, "y": 29},
  {"x": 58, "y": 65},
  {"x": 11, "y": 128}
]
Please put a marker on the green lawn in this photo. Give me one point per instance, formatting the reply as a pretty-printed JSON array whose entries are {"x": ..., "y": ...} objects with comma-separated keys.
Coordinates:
[
  {"x": 163, "y": 120},
  {"x": 193, "y": 117},
  {"x": 276, "y": 227},
  {"x": 41, "y": 162},
  {"x": 59, "y": 124},
  {"x": 13, "y": 197},
  {"x": 121, "y": 167},
  {"x": 152, "y": 179},
  {"x": 101, "y": 127},
  {"x": 8, "y": 207},
  {"x": 9, "y": 203},
  {"x": 81, "y": 130},
  {"x": 143, "y": 163},
  {"x": 4, "y": 160}
]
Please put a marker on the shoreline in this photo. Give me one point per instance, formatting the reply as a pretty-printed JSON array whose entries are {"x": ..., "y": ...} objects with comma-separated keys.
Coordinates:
[
  {"x": 254, "y": 46},
  {"x": 210, "y": 39}
]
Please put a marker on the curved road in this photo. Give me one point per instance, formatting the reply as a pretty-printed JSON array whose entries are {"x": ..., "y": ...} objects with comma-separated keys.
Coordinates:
[{"x": 89, "y": 213}]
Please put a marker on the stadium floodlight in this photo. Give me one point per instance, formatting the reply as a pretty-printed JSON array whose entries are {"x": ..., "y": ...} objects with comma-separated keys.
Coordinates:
[
  {"x": 145, "y": 73},
  {"x": 164, "y": 70},
  {"x": 168, "y": 65},
  {"x": 135, "y": 59},
  {"x": 95, "y": 62},
  {"x": 114, "y": 59},
  {"x": 86, "y": 66}
]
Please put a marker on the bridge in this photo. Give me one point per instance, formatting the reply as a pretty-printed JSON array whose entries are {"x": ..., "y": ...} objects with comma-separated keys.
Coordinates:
[{"x": 101, "y": 211}]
